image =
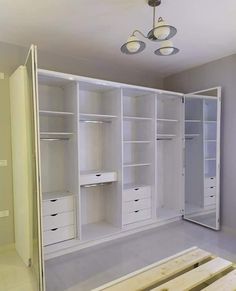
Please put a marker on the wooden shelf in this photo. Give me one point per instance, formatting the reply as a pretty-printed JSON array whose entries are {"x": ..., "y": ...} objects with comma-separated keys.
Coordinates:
[
  {"x": 136, "y": 118},
  {"x": 167, "y": 120},
  {"x": 55, "y": 113},
  {"x": 136, "y": 165}
]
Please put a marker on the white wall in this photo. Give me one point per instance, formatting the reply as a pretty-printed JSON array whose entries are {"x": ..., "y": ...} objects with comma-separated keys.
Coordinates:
[
  {"x": 11, "y": 56},
  {"x": 218, "y": 73}
]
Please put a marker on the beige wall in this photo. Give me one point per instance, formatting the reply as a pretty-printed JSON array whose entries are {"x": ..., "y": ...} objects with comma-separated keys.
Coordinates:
[
  {"x": 218, "y": 73},
  {"x": 6, "y": 194}
]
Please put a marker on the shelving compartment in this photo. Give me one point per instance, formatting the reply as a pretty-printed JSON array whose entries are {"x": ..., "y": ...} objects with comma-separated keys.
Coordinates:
[
  {"x": 137, "y": 104},
  {"x": 194, "y": 154},
  {"x": 99, "y": 211},
  {"x": 100, "y": 160},
  {"x": 169, "y": 156},
  {"x": 59, "y": 157},
  {"x": 98, "y": 101},
  {"x": 137, "y": 154}
]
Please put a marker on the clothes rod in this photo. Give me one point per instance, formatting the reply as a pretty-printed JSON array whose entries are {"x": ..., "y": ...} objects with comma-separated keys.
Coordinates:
[
  {"x": 95, "y": 121},
  {"x": 164, "y": 138},
  {"x": 95, "y": 185}
]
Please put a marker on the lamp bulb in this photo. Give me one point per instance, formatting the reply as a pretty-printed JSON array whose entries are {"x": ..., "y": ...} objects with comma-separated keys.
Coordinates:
[
  {"x": 167, "y": 48},
  {"x": 161, "y": 32},
  {"x": 132, "y": 44}
]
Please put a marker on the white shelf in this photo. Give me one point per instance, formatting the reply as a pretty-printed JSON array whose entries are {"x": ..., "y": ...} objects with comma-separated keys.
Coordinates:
[
  {"x": 92, "y": 231},
  {"x": 56, "y": 133},
  {"x": 55, "y": 113},
  {"x": 209, "y": 140},
  {"x": 210, "y": 159},
  {"x": 136, "y": 165},
  {"x": 136, "y": 118},
  {"x": 136, "y": 141},
  {"x": 134, "y": 185},
  {"x": 210, "y": 121},
  {"x": 166, "y": 135},
  {"x": 96, "y": 117},
  {"x": 54, "y": 195},
  {"x": 167, "y": 120},
  {"x": 193, "y": 120},
  {"x": 192, "y": 135}
]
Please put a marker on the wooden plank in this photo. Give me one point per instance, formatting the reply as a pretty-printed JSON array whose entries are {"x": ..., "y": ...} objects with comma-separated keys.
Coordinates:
[
  {"x": 153, "y": 275},
  {"x": 196, "y": 276},
  {"x": 226, "y": 283}
]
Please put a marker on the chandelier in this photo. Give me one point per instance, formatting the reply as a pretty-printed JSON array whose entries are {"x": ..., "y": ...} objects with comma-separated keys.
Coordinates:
[{"x": 161, "y": 32}]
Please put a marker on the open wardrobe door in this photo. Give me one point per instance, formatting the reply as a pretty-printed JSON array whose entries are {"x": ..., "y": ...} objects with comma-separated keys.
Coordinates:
[
  {"x": 202, "y": 157},
  {"x": 32, "y": 96}
]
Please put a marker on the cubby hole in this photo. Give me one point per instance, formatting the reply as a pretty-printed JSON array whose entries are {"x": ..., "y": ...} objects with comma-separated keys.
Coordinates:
[
  {"x": 99, "y": 211},
  {"x": 137, "y": 154}
]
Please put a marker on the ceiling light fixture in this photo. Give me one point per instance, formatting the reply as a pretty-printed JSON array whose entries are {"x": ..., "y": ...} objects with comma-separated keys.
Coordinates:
[{"x": 161, "y": 32}]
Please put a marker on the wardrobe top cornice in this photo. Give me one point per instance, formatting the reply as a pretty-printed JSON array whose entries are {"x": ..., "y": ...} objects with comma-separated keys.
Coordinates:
[{"x": 70, "y": 77}]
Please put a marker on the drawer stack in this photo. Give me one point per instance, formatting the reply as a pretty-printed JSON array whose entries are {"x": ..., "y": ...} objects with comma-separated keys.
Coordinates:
[
  {"x": 136, "y": 204},
  {"x": 210, "y": 191},
  {"x": 58, "y": 217}
]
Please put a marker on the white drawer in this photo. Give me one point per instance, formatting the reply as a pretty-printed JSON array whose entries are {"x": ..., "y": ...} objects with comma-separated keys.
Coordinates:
[
  {"x": 209, "y": 182},
  {"x": 58, "y": 234},
  {"x": 136, "y": 216},
  {"x": 210, "y": 191},
  {"x": 210, "y": 200},
  {"x": 58, "y": 220},
  {"x": 58, "y": 205},
  {"x": 137, "y": 204},
  {"x": 102, "y": 177},
  {"x": 136, "y": 193}
]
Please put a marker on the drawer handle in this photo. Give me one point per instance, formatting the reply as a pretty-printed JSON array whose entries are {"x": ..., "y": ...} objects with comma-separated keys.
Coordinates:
[
  {"x": 98, "y": 175},
  {"x": 136, "y": 189},
  {"x": 54, "y": 229},
  {"x": 136, "y": 200},
  {"x": 211, "y": 178},
  {"x": 53, "y": 200},
  {"x": 136, "y": 211},
  {"x": 212, "y": 196},
  {"x": 54, "y": 214},
  {"x": 211, "y": 187}
]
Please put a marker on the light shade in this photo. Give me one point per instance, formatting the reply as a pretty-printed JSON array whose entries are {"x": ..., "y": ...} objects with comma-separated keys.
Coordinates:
[
  {"x": 133, "y": 46},
  {"x": 162, "y": 31},
  {"x": 166, "y": 49}
]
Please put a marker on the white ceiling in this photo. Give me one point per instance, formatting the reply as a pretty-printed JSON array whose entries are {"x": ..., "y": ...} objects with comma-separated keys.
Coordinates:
[{"x": 95, "y": 30}]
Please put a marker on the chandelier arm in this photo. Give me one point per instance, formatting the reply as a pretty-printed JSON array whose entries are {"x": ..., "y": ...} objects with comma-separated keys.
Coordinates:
[
  {"x": 140, "y": 32},
  {"x": 154, "y": 17}
]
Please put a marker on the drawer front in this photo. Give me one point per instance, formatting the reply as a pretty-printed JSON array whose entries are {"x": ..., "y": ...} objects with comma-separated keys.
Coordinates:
[
  {"x": 211, "y": 200},
  {"x": 136, "y": 193},
  {"x": 209, "y": 182},
  {"x": 58, "y": 205},
  {"x": 58, "y": 234},
  {"x": 138, "y": 204},
  {"x": 98, "y": 178},
  {"x": 210, "y": 191},
  {"x": 136, "y": 216},
  {"x": 57, "y": 220}
]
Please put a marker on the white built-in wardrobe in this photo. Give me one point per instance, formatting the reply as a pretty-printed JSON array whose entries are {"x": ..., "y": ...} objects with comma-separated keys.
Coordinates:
[{"x": 115, "y": 159}]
